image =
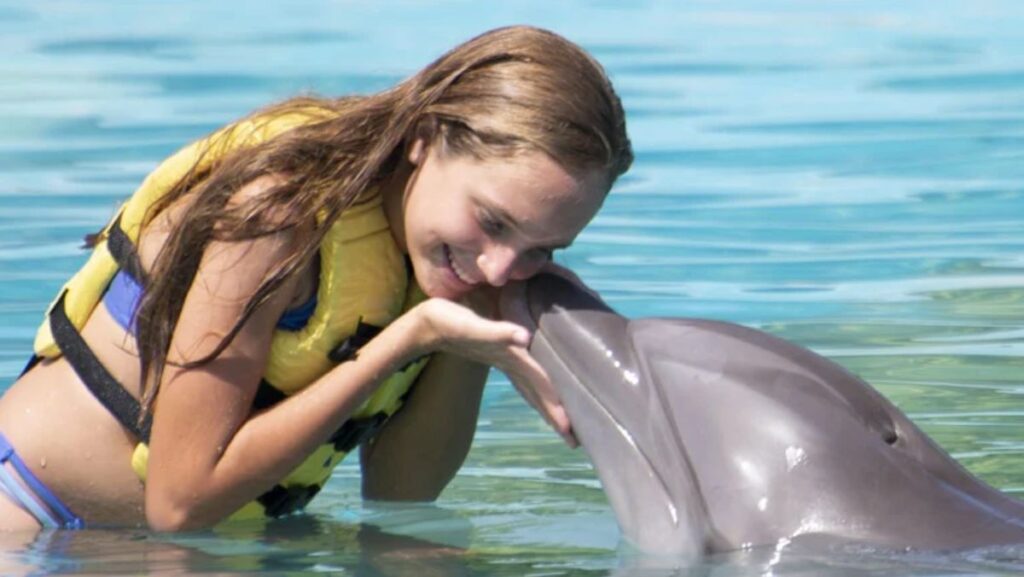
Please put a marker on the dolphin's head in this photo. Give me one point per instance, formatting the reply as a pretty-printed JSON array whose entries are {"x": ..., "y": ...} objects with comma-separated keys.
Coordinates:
[
  {"x": 615, "y": 411},
  {"x": 712, "y": 436}
]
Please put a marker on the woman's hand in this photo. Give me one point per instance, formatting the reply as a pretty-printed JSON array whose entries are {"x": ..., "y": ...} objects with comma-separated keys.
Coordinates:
[{"x": 461, "y": 330}]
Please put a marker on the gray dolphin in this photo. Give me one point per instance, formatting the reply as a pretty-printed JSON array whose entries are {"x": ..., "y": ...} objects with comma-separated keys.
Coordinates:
[{"x": 709, "y": 436}]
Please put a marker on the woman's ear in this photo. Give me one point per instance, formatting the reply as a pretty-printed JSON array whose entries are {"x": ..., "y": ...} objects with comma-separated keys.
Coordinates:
[
  {"x": 423, "y": 136},
  {"x": 416, "y": 151}
]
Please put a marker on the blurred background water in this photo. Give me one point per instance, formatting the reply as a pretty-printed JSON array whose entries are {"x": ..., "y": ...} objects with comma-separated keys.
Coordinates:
[{"x": 843, "y": 174}]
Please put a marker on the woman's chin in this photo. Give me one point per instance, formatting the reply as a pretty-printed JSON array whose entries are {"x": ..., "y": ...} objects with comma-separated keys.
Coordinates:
[{"x": 443, "y": 284}]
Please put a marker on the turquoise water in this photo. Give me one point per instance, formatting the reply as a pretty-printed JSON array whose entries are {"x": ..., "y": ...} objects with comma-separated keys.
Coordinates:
[{"x": 849, "y": 177}]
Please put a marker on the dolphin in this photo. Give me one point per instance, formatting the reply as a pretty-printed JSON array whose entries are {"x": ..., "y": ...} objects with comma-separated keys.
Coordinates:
[{"x": 709, "y": 436}]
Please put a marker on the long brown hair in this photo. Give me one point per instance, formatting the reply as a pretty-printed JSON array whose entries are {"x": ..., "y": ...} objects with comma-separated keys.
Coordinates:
[{"x": 506, "y": 91}]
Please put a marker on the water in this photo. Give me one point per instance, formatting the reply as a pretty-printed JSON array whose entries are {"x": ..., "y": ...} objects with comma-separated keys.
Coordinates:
[{"x": 846, "y": 176}]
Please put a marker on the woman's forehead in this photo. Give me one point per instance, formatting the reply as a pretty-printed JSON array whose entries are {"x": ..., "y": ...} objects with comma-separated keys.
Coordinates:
[{"x": 540, "y": 199}]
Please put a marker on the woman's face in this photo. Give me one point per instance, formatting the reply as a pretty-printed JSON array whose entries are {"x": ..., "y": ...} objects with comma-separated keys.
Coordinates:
[{"x": 467, "y": 222}]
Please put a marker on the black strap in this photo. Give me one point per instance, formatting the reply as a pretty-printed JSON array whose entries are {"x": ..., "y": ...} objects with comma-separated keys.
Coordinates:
[
  {"x": 355, "y": 432},
  {"x": 123, "y": 250},
  {"x": 282, "y": 500},
  {"x": 267, "y": 395},
  {"x": 110, "y": 393},
  {"x": 347, "y": 349},
  {"x": 349, "y": 435},
  {"x": 96, "y": 377}
]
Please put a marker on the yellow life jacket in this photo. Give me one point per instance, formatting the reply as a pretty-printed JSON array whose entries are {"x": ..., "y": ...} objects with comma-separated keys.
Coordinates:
[{"x": 363, "y": 285}]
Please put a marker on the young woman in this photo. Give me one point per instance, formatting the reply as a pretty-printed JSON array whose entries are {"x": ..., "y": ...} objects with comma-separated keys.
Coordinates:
[{"x": 267, "y": 299}]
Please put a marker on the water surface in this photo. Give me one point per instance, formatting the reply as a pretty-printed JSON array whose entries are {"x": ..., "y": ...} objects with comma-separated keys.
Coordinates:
[{"x": 846, "y": 175}]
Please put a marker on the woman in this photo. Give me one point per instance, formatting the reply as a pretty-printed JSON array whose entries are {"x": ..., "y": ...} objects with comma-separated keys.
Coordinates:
[{"x": 266, "y": 300}]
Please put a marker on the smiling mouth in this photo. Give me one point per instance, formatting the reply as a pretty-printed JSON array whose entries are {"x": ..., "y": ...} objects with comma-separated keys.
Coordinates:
[{"x": 459, "y": 273}]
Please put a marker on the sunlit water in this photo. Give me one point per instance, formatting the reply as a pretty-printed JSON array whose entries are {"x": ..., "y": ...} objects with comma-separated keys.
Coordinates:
[{"x": 844, "y": 174}]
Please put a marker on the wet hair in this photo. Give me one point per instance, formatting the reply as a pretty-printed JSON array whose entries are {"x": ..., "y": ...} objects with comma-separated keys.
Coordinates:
[{"x": 508, "y": 91}]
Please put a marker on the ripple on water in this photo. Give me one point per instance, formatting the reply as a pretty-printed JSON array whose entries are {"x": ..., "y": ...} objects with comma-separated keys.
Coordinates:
[{"x": 1008, "y": 80}]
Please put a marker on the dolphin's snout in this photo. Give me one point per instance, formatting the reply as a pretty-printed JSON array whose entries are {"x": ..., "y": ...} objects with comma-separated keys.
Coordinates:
[
  {"x": 546, "y": 291},
  {"x": 574, "y": 320},
  {"x": 586, "y": 348}
]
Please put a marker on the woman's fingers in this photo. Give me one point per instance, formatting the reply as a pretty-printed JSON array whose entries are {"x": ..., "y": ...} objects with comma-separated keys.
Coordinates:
[
  {"x": 512, "y": 305},
  {"x": 502, "y": 344},
  {"x": 551, "y": 410},
  {"x": 454, "y": 328},
  {"x": 533, "y": 384}
]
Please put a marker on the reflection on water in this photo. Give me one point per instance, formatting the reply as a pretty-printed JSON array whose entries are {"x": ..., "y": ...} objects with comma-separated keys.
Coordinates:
[
  {"x": 306, "y": 546},
  {"x": 846, "y": 175},
  {"x": 302, "y": 544}
]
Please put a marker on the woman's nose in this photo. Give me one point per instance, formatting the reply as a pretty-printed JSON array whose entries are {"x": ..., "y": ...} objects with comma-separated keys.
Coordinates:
[{"x": 497, "y": 263}]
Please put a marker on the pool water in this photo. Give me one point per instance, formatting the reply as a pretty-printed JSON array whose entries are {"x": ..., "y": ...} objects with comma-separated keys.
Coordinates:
[{"x": 847, "y": 175}]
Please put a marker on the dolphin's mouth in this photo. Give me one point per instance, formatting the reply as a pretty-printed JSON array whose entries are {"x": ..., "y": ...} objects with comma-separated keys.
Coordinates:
[{"x": 591, "y": 401}]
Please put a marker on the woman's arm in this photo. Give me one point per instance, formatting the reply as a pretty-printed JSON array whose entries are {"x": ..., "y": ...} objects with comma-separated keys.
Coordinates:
[
  {"x": 416, "y": 455},
  {"x": 207, "y": 460},
  {"x": 207, "y": 456}
]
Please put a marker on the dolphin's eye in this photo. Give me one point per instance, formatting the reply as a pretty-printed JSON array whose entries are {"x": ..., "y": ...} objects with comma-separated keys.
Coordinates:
[{"x": 890, "y": 437}]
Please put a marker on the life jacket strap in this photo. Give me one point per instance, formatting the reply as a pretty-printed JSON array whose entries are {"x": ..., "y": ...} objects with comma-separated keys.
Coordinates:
[
  {"x": 355, "y": 432},
  {"x": 122, "y": 249},
  {"x": 352, "y": 433},
  {"x": 347, "y": 349},
  {"x": 267, "y": 395},
  {"x": 281, "y": 500},
  {"x": 107, "y": 390}
]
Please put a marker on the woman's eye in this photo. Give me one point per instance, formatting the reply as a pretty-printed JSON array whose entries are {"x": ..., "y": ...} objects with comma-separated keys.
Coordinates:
[{"x": 491, "y": 225}]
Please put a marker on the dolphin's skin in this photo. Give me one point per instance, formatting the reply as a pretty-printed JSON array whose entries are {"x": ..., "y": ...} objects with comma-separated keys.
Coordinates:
[{"x": 709, "y": 436}]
